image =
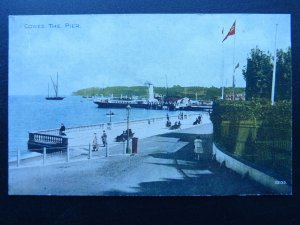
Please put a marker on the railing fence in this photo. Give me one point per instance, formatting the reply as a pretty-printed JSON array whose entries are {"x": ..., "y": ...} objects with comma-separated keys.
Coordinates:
[{"x": 59, "y": 154}]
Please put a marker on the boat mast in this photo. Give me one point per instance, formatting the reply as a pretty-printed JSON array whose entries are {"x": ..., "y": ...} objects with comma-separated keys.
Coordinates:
[
  {"x": 56, "y": 84},
  {"x": 167, "y": 84}
]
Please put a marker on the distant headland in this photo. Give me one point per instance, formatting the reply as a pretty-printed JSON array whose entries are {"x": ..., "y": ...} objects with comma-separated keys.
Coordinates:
[{"x": 194, "y": 92}]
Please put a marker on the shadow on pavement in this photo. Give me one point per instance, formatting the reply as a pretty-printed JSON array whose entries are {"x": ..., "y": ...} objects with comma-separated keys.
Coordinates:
[
  {"x": 203, "y": 185},
  {"x": 201, "y": 178}
]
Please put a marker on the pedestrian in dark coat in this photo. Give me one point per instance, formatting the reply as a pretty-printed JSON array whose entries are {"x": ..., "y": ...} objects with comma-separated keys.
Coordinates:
[{"x": 104, "y": 138}]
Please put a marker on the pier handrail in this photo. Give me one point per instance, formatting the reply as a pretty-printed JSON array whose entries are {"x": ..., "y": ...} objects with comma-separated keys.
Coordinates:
[
  {"x": 102, "y": 125},
  {"x": 47, "y": 138}
]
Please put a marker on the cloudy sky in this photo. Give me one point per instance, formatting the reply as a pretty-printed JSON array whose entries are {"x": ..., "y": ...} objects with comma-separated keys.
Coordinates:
[{"x": 130, "y": 49}]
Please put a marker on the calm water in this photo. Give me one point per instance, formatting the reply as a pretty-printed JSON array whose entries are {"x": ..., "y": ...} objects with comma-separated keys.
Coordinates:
[{"x": 32, "y": 113}]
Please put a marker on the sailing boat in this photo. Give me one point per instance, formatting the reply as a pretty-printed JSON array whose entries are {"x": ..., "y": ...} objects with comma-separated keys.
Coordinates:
[{"x": 55, "y": 87}]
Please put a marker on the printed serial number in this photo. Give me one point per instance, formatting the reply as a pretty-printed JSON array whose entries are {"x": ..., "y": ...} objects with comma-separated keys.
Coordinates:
[{"x": 280, "y": 182}]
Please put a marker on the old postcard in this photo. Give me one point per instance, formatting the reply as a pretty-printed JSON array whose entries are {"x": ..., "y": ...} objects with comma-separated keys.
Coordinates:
[{"x": 150, "y": 105}]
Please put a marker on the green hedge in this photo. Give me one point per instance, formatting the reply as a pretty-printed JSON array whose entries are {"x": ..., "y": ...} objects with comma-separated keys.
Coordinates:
[{"x": 257, "y": 132}]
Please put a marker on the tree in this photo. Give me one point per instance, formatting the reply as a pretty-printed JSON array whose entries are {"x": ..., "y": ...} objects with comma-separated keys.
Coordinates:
[
  {"x": 258, "y": 75},
  {"x": 283, "y": 75}
]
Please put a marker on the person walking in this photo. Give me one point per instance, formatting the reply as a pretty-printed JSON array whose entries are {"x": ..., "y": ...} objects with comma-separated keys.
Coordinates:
[
  {"x": 104, "y": 138},
  {"x": 198, "y": 150},
  {"x": 95, "y": 143}
]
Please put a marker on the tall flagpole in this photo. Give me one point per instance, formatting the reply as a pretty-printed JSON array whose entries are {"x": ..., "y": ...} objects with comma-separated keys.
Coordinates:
[
  {"x": 232, "y": 32},
  {"x": 274, "y": 69},
  {"x": 222, "y": 68},
  {"x": 57, "y": 84},
  {"x": 233, "y": 82}
]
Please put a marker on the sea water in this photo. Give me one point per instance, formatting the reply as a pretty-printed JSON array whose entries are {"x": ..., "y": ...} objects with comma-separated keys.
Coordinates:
[{"x": 34, "y": 113}]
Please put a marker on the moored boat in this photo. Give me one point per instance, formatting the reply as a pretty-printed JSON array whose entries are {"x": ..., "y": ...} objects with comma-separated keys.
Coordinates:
[
  {"x": 122, "y": 102},
  {"x": 171, "y": 103},
  {"x": 55, "y": 87}
]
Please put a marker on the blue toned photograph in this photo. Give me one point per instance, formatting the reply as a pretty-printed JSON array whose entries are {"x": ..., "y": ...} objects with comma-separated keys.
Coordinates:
[{"x": 150, "y": 105}]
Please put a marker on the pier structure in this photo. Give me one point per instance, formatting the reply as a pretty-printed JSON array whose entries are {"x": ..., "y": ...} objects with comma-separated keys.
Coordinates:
[{"x": 79, "y": 138}]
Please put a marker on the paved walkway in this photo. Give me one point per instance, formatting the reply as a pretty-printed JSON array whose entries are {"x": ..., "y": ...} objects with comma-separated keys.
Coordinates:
[
  {"x": 164, "y": 166},
  {"x": 80, "y": 138}
]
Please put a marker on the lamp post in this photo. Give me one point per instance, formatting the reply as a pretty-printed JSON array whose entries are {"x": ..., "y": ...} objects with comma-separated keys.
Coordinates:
[
  {"x": 109, "y": 124},
  {"x": 128, "y": 150}
]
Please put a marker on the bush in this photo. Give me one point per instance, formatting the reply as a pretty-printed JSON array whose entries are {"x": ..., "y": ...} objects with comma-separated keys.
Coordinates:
[{"x": 256, "y": 131}]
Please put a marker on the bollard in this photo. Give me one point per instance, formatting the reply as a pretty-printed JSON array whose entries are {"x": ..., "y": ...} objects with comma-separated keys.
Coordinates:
[
  {"x": 130, "y": 144},
  {"x": 124, "y": 150},
  {"x": 18, "y": 158},
  {"x": 134, "y": 145},
  {"x": 68, "y": 154},
  {"x": 107, "y": 150},
  {"x": 44, "y": 155},
  {"x": 90, "y": 152}
]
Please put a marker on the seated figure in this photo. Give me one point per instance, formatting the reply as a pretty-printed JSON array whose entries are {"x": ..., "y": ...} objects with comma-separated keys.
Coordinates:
[
  {"x": 168, "y": 123},
  {"x": 175, "y": 126},
  {"x": 123, "y": 136}
]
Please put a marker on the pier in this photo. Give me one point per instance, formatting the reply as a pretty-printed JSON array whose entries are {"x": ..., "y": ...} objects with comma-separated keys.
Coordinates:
[{"x": 79, "y": 139}]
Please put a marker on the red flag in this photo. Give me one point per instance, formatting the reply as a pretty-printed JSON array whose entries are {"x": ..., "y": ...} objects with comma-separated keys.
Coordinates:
[
  {"x": 231, "y": 31},
  {"x": 237, "y": 65}
]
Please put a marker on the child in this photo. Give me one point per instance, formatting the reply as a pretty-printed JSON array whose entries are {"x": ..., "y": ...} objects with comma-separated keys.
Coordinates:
[{"x": 95, "y": 143}]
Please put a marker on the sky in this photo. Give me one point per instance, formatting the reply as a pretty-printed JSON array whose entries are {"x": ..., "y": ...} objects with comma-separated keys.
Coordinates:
[{"x": 131, "y": 49}]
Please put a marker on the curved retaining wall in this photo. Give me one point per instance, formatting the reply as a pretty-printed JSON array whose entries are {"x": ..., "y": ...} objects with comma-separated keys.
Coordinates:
[{"x": 280, "y": 186}]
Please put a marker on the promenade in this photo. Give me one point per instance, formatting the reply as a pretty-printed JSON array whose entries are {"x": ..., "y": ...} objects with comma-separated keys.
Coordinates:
[
  {"x": 163, "y": 166},
  {"x": 80, "y": 138}
]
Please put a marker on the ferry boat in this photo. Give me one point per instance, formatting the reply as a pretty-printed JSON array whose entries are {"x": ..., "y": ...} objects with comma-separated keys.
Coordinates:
[
  {"x": 169, "y": 103},
  {"x": 122, "y": 102}
]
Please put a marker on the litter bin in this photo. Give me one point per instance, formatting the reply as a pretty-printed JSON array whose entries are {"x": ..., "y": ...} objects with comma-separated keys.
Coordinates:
[{"x": 134, "y": 145}]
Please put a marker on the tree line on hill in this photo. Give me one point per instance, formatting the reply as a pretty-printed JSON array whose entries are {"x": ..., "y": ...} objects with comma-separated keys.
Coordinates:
[{"x": 204, "y": 93}]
